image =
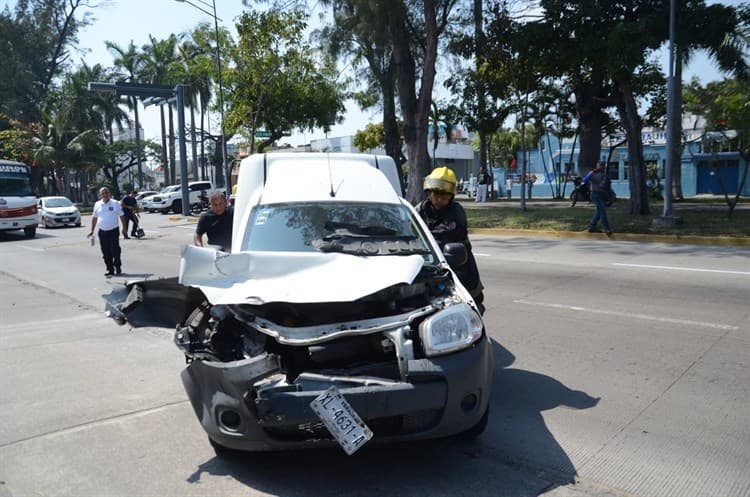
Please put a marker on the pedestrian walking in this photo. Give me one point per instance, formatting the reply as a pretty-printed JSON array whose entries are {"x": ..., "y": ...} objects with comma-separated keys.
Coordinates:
[
  {"x": 107, "y": 216},
  {"x": 216, "y": 223},
  {"x": 600, "y": 187},
  {"x": 129, "y": 205}
]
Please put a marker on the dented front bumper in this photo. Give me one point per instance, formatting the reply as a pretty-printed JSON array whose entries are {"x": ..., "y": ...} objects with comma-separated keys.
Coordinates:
[{"x": 248, "y": 405}]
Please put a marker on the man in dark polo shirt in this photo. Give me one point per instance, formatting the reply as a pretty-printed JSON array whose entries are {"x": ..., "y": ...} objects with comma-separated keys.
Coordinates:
[{"x": 216, "y": 223}]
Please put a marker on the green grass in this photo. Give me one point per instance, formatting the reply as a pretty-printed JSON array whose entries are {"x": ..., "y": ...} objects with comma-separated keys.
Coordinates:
[{"x": 700, "y": 220}]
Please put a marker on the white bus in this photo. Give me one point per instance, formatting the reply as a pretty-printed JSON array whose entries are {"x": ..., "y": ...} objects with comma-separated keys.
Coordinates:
[{"x": 18, "y": 209}]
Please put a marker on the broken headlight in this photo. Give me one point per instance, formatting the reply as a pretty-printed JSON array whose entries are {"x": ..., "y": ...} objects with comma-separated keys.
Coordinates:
[{"x": 451, "y": 329}]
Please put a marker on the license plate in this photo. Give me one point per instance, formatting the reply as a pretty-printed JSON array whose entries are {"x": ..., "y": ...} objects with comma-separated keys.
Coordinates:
[
  {"x": 341, "y": 420},
  {"x": 65, "y": 220}
]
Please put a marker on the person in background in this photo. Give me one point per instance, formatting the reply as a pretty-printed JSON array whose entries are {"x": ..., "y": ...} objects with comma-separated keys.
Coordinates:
[
  {"x": 446, "y": 220},
  {"x": 483, "y": 183},
  {"x": 130, "y": 208},
  {"x": 108, "y": 215},
  {"x": 530, "y": 180},
  {"x": 216, "y": 223},
  {"x": 600, "y": 187}
]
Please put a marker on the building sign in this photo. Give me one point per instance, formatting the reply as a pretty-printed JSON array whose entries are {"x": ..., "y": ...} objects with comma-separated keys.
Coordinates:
[{"x": 14, "y": 168}]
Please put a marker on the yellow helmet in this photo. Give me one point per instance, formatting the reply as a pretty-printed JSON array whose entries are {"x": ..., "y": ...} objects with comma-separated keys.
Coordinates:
[{"x": 441, "y": 179}]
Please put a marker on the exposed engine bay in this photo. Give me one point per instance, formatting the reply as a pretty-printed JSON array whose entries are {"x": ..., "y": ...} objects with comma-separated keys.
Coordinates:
[{"x": 305, "y": 337}]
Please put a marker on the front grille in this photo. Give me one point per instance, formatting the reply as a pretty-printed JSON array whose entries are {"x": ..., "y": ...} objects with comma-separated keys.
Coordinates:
[{"x": 382, "y": 427}]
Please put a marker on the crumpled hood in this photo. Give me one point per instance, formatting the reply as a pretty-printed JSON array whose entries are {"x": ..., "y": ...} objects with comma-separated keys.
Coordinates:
[{"x": 296, "y": 277}]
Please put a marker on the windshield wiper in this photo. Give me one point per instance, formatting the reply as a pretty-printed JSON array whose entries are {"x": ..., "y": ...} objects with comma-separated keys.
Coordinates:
[
  {"x": 347, "y": 244},
  {"x": 354, "y": 230}
]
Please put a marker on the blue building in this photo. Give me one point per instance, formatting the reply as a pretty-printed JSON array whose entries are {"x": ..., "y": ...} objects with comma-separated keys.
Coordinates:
[{"x": 707, "y": 162}]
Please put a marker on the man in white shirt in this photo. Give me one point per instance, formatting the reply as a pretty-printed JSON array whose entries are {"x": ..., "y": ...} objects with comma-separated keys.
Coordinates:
[{"x": 108, "y": 216}]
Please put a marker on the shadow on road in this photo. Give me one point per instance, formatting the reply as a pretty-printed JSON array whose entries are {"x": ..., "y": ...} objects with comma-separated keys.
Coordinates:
[
  {"x": 518, "y": 431},
  {"x": 517, "y": 455}
]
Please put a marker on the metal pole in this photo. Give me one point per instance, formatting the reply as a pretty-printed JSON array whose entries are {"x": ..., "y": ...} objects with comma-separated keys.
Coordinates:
[
  {"x": 227, "y": 172},
  {"x": 180, "y": 89},
  {"x": 671, "y": 113}
]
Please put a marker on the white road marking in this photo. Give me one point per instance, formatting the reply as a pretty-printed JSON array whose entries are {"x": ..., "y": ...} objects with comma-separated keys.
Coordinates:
[
  {"x": 51, "y": 323},
  {"x": 482, "y": 254},
  {"x": 676, "y": 268},
  {"x": 27, "y": 247},
  {"x": 686, "y": 322}
]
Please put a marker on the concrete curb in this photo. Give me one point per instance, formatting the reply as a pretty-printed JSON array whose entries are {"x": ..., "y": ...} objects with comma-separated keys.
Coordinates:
[
  {"x": 178, "y": 217},
  {"x": 723, "y": 241}
]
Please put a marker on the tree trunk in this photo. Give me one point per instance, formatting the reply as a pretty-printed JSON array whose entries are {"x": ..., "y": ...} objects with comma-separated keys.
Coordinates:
[
  {"x": 194, "y": 145},
  {"x": 590, "y": 119},
  {"x": 677, "y": 131},
  {"x": 481, "y": 98},
  {"x": 631, "y": 121},
  {"x": 164, "y": 164},
  {"x": 203, "y": 140},
  {"x": 390, "y": 123},
  {"x": 172, "y": 161},
  {"x": 414, "y": 109}
]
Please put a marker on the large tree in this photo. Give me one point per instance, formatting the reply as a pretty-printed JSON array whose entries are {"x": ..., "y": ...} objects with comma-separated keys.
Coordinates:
[
  {"x": 415, "y": 29},
  {"x": 277, "y": 84},
  {"x": 36, "y": 40},
  {"x": 359, "y": 32}
]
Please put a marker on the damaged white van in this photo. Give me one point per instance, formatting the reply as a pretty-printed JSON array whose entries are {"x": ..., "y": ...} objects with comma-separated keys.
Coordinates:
[{"x": 335, "y": 319}]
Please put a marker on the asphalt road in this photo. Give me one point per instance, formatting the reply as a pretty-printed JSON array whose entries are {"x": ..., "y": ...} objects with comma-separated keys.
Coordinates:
[{"x": 621, "y": 369}]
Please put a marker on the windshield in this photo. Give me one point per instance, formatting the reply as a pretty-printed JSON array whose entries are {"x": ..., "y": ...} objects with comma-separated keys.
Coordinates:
[
  {"x": 15, "y": 186},
  {"x": 354, "y": 228},
  {"x": 57, "y": 202}
]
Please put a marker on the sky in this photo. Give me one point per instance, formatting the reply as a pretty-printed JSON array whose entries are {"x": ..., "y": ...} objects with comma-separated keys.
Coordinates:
[{"x": 121, "y": 21}]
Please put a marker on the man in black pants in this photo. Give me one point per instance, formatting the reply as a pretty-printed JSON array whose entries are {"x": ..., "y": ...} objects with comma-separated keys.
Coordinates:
[
  {"x": 216, "y": 223},
  {"x": 130, "y": 208},
  {"x": 108, "y": 215}
]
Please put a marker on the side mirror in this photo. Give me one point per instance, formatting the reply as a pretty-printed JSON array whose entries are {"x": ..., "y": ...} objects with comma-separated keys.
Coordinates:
[{"x": 456, "y": 254}]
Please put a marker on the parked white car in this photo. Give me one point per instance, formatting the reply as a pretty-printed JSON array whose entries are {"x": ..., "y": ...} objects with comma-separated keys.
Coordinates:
[
  {"x": 148, "y": 204},
  {"x": 141, "y": 195},
  {"x": 171, "y": 200},
  {"x": 336, "y": 317},
  {"x": 58, "y": 211}
]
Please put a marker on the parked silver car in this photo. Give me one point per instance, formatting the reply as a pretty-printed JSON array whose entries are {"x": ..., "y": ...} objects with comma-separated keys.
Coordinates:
[
  {"x": 335, "y": 319},
  {"x": 58, "y": 211}
]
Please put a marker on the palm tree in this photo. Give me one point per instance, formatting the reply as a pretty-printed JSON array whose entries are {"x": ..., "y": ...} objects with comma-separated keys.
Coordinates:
[
  {"x": 188, "y": 73},
  {"x": 130, "y": 62},
  {"x": 92, "y": 110},
  {"x": 159, "y": 59},
  {"x": 716, "y": 30},
  {"x": 62, "y": 149}
]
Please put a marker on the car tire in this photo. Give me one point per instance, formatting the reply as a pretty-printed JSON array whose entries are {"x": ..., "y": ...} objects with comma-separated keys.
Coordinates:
[
  {"x": 78, "y": 224},
  {"x": 164, "y": 211},
  {"x": 29, "y": 231},
  {"x": 45, "y": 222},
  {"x": 478, "y": 428},
  {"x": 177, "y": 207}
]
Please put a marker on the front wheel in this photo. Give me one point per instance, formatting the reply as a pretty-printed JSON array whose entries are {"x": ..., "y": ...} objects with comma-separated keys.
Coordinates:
[
  {"x": 177, "y": 206},
  {"x": 196, "y": 208},
  {"x": 29, "y": 231}
]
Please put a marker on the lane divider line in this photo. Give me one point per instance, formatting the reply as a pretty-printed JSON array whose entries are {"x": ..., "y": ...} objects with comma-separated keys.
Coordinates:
[
  {"x": 677, "y": 268},
  {"x": 646, "y": 317}
]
